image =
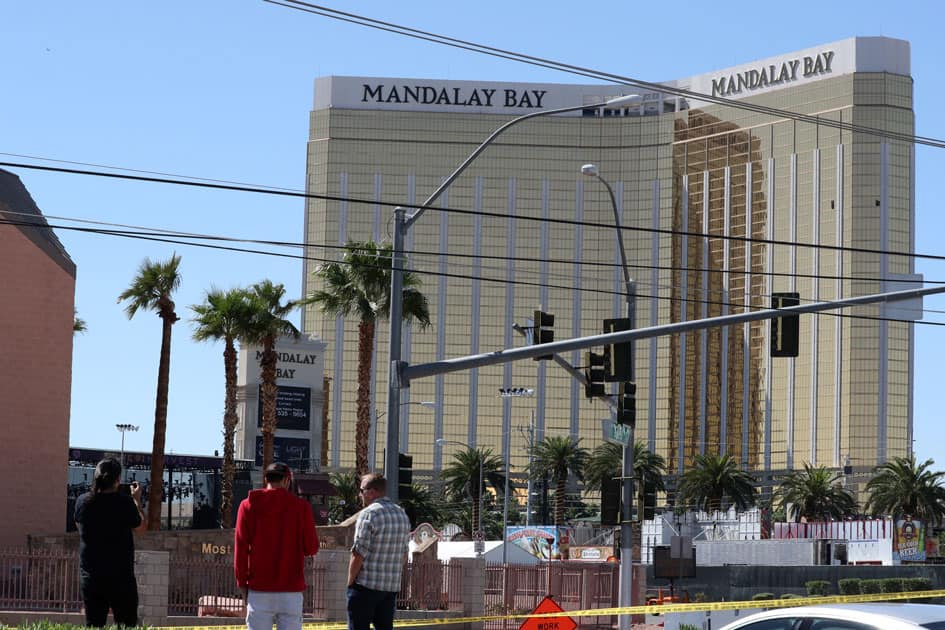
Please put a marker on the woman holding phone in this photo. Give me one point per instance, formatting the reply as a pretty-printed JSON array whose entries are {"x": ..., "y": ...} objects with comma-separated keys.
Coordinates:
[{"x": 106, "y": 519}]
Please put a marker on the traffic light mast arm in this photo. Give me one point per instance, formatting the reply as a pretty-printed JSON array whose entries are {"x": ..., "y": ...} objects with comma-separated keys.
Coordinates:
[{"x": 570, "y": 369}]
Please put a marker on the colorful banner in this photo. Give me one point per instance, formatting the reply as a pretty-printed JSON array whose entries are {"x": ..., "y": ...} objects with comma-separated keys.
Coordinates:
[
  {"x": 545, "y": 542},
  {"x": 909, "y": 541}
]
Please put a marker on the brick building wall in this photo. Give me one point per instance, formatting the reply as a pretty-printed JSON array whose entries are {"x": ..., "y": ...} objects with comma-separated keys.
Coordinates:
[{"x": 37, "y": 290}]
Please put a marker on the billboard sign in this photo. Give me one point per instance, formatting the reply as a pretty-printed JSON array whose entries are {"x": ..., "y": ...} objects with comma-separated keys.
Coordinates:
[
  {"x": 293, "y": 408},
  {"x": 909, "y": 541},
  {"x": 545, "y": 542}
]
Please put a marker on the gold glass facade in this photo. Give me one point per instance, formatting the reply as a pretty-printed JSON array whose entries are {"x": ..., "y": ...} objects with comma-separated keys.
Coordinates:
[{"x": 525, "y": 230}]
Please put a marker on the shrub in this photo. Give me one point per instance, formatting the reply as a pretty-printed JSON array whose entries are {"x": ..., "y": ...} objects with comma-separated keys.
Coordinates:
[
  {"x": 700, "y": 597},
  {"x": 849, "y": 586},
  {"x": 891, "y": 585},
  {"x": 791, "y": 596},
  {"x": 871, "y": 587},
  {"x": 817, "y": 587},
  {"x": 757, "y": 597},
  {"x": 917, "y": 584},
  {"x": 688, "y": 626}
]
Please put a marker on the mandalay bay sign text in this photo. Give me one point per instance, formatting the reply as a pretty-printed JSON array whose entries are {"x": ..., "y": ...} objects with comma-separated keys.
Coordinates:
[
  {"x": 775, "y": 74},
  {"x": 460, "y": 96}
]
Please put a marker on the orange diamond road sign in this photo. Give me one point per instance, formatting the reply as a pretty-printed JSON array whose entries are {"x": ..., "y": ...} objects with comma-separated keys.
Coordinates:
[{"x": 548, "y": 605}]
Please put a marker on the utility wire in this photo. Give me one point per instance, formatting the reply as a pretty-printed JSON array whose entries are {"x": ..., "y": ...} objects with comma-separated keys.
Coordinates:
[
  {"x": 178, "y": 241},
  {"x": 419, "y": 254},
  {"x": 483, "y": 213},
  {"x": 592, "y": 73}
]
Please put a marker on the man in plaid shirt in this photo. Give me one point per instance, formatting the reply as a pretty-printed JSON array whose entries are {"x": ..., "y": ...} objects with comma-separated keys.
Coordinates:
[{"x": 377, "y": 557}]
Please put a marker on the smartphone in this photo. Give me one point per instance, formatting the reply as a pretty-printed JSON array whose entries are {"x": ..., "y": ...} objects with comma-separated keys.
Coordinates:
[{"x": 124, "y": 488}]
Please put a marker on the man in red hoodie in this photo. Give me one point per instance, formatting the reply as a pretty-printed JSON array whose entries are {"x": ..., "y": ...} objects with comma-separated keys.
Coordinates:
[{"x": 275, "y": 530}]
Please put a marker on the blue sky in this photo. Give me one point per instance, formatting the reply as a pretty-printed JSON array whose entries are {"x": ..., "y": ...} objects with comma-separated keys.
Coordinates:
[{"x": 222, "y": 90}]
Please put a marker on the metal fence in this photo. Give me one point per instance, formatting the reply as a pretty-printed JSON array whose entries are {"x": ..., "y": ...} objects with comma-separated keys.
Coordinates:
[
  {"x": 206, "y": 586},
  {"x": 43, "y": 581},
  {"x": 518, "y": 589},
  {"x": 430, "y": 585}
]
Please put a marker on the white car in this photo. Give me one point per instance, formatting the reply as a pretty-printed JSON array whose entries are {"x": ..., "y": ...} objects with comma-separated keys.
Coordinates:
[{"x": 879, "y": 616}]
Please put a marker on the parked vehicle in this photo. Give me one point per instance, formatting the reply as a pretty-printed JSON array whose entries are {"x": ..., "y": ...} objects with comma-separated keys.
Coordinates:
[{"x": 878, "y": 616}]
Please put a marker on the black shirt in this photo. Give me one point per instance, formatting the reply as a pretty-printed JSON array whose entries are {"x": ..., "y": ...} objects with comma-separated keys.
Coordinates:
[{"x": 105, "y": 522}]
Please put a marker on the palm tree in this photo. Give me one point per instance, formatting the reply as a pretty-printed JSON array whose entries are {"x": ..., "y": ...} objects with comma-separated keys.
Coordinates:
[
  {"x": 359, "y": 285},
  {"x": 461, "y": 477},
  {"x": 606, "y": 462},
  {"x": 151, "y": 289},
  {"x": 903, "y": 488},
  {"x": 78, "y": 324},
  {"x": 815, "y": 493},
  {"x": 225, "y": 316},
  {"x": 558, "y": 456},
  {"x": 346, "y": 504},
  {"x": 422, "y": 505},
  {"x": 267, "y": 324},
  {"x": 712, "y": 480}
]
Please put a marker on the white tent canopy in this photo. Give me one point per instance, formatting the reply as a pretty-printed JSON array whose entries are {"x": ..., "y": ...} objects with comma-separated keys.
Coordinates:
[{"x": 445, "y": 550}]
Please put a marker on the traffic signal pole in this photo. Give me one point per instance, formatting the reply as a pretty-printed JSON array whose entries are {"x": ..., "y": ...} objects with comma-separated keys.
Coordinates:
[{"x": 626, "y": 517}]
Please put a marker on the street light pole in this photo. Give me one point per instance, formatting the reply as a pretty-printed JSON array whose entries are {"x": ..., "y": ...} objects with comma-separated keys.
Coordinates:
[
  {"x": 479, "y": 531},
  {"x": 122, "y": 428},
  {"x": 402, "y": 223},
  {"x": 626, "y": 516},
  {"x": 513, "y": 392}
]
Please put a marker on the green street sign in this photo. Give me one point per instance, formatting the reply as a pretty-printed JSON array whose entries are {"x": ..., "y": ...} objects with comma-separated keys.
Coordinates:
[{"x": 616, "y": 433}]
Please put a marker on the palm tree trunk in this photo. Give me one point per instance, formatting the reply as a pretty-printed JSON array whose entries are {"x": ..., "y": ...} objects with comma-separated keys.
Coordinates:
[
  {"x": 560, "y": 483},
  {"x": 229, "y": 430},
  {"x": 326, "y": 427},
  {"x": 476, "y": 504},
  {"x": 269, "y": 389},
  {"x": 363, "y": 426},
  {"x": 156, "y": 485}
]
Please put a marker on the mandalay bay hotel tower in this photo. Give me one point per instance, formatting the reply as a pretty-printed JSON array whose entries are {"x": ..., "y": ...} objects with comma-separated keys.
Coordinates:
[{"x": 722, "y": 206}]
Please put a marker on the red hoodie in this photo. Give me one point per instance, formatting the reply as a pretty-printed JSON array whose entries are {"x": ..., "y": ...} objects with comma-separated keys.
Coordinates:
[{"x": 275, "y": 530}]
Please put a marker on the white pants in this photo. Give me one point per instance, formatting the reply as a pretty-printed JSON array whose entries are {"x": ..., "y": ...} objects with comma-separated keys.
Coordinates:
[{"x": 263, "y": 610}]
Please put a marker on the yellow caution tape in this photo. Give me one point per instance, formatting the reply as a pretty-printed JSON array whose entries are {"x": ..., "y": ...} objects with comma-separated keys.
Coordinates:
[{"x": 655, "y": 609}]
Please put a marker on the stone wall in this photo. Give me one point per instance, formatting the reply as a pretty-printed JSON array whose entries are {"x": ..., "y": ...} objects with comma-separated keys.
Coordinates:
[
  {"x": 152, "y": 569},
  {"x": 191, "y": 543}
]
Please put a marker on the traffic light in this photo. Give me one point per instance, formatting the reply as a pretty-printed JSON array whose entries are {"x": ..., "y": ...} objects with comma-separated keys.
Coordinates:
[
  {"x": 404, "y": 476},
  {"x": 593, "y": 374},
  {"x": 609, "y": 501},
  {"x": 543, "y": 331},
  {"x": 785, "y": 331},
  {"x": 627, "y": 403},
  {"x": 617, "y": 356},
  {"x": 649, "y": 501}
]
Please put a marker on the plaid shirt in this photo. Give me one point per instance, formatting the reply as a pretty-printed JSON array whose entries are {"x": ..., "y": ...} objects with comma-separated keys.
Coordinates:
[{"x": 380, "y": 537}]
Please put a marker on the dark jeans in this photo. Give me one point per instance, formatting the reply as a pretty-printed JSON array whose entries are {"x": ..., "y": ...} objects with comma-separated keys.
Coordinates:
[
  {"x": 366, "y": 605},
  {"x": 119, "y": 594}
]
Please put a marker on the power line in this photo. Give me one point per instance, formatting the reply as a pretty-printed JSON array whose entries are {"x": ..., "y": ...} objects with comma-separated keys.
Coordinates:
[
  {"x": 158, "y": 237},
  {"x": 483, "y": 213},
  {"x": 419, "y": 253},
  {"x": 437, "y": 38}
]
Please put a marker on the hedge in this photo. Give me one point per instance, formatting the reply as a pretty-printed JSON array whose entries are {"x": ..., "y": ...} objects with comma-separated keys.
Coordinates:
[
  {"x": 871, "y": 587},
  {"x": 849, "y": 586},
  {"x": 917, "y": 584},
  {"x": 891, "y": 585}
]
